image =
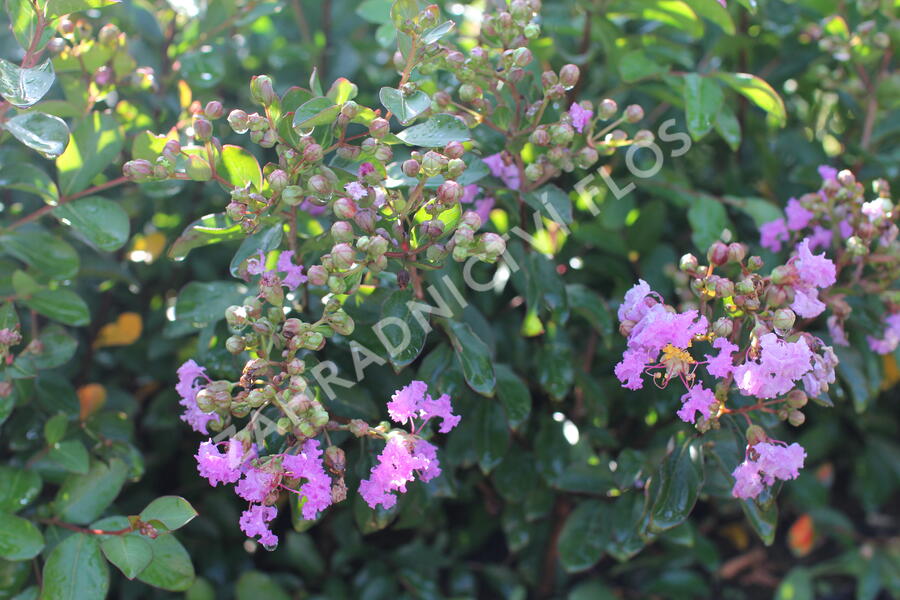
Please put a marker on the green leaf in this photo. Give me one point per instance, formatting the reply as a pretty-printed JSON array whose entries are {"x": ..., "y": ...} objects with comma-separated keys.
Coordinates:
[
  {"x": 625, "y": 538},
  {"x": 796, "y": 585},
  {"x": 584, "y": 536},
  {"x": 26, "y": 177},
  {"x": 103, "y": 223},
  {"x": 82, "y": 498},
  {"x": 728, "y": 126},
  {"x": 491, "y": 435},
  {"x": 394, "y": 311},
  {"x": 590, "y": 306},
  {"x": 211, "y": 229},
  {"x": 76, "y": 570},
  {"x": 852, "y": 371},
  {"x": 676, "y": 13},
  {"x": 702, "y": 100},
  {"x": 172, "y": 511},
  {"x": 715, "y": 12},
  {"x": 473, "y": 356},
  {"x": 55, "y": 428},
  {"x": 763, "y": 520},
  {"x": 71, "y": 456},
  {"x": 65, "y": 7},
  {"x": 342, "y": 90},
  {"x": 45, "y": 134},
  {"x": 551, "y": 202},
  {"x": 636, "y": 65},
  {"x": 267, "y": 239},
  {"x": 759, "y": 92},
  {"x": 402, "y": 11},
  {"x": 375, "y": 11},
  {"x": 131, "y": 553},
  {"x": 43, "y": 252},
  {"x": 238, "y": 167},
  {"x": 61, "y": 305},
  {"x": 439, "y": 130},
  {"x": 318, "y": 111},
  {"x": 253, "y": 585},
  {"x": 437, "y": 32},
  {"x": 25, "y": 87},
  {"x": 204, "y": 68},
  {"x": 96, "y": 143},
  {"x": 23, "y": 22},
  {"x": 56, "y": 348},
  {"x": 676, "y": 486},
  {"x": 19, "y": 488},
  {"x": 202, "y": 303},
  {"x": 759, "y": 209},
  {"x": 405, "y": 108},
  {"x": 19, "y": 538},
  {"x": 514, "y": 394},
  {"x": 708, "y": 220},
  {"x": 171, "y": 568}
]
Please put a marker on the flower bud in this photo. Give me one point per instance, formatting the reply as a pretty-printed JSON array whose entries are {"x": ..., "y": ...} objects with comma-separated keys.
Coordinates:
[
  {"x": 633, "y": 113},
  {"x": 586, "y": 157},
  {"x": 239, "y": 121},
  {"x": 736, "y": 252},
  {"x": 343, "y": 256},
  {"x": 358, "y": 427},
  {"x": 108, "y": 34},
  {"x": 379, "y": 128},
  {"x": 336, "y": 285},
  {"x": 433, "y": 163},
  {"x": 383, "y": 153},
  {"x": 411, "y": 167},
  {"x": 202, "y": 129},
  {"x": 312, "y": 153},
  {"x": 532, "y": 31},
  {"x": 688, "y": 263},
  {"x": 493, "y": 245},
  {"x": 607, "y": 109},
  {"x": 56, "y": 45},
  {"x": 455, "y": 168},
  {"x": 561, "y": 134},
  {"x": 754, "y": 263},
  {"x": 717, "y": 254},
  {"x": 449, "y": 192},
  {"x": 784, "y": 319},
  {"x": 213, "y": 110},
  {"x": 723, "y": 327},
  {"x": 235, "y": 344},
  {"x": 278, "y": 180},
  {"x": 534, "y": 171},
  {"x": 378, "y": 245},
  {"x": 724, "y": 288},
  {"x": 138, "y": 170},
  {"x": 342, "y": 231},
  {"x": 319, "y": 185},
  {"x": 261, "y": 90},
  {"x": 454, "y": 150},
  {"x": 469, "y": 92},
  {"x": 755, "y": 435},
  {"x": 796, "y": 418},
  {"x": 344, "y": 208},
  {"x": 293, "y": 195},
  {"x": 432, "y": 228},
  {"x": 317, "y": 275},
  {"x": 549, "y": 79},
  {"x": 540, "y": 137},
  {"x": 568, "y": 76}
]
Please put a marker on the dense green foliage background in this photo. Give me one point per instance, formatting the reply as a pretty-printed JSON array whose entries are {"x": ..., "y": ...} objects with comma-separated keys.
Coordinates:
[{"x": 543, "y": 487}]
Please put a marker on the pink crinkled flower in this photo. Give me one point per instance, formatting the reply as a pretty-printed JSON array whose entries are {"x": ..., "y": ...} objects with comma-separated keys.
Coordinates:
[
  {"x": 442, "y": 409},
  {"x": 396, "y": 467},
  {"x": 470, "y": 192},
  {"x": 661, "y": 327},
  {"x": 292, "y": 274},
  {"x": 806, "y": 302},
  {"x": 256, "y": 484},
  {"x": 187, "y": 387},
  {"x": 827, "y": 173},
  {"x": 780, "y": 364},
  {"x": 428, "y": 452},
  {"x": 218, "y": 467},
  {"x": 820, "y": 238},
  {"x": 814, "y": 269},
  {"x": 580, "y": 116},
  {"x": 722, "y": 364},
  {"x": 773, "y": 234},
  {"x": 483, "y": 206},
  {"x": 365, "y": 168},
  {"x": 405, "y": 402},
  {"x": 891, "y": 337},
  {"x": 747, "y": 480},
  {"x": 317, "y": 488},
  {"x": 312, "y": 208},
  {"x": 507, "y": 173},
  {"x": 845, "y": 228},
  {"x": 637, "y": 302},
  {"x": 630, "y": 369},
  {"x": 356, "y": 190},
  {"x": 698, "y": 399},
  {"x": 798, "y": 217},
  {"x": 836, "y": 330},
  {"x": 253, "y": 523},
  {"x": 779, "y": 462},
  {"x": 822, "y": 373}
]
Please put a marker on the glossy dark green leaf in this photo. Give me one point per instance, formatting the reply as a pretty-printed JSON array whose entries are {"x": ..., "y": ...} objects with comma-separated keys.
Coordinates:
[
  {"x": 556, "y": 368},
  {"x": 405, "y": 108},
  {"x": 55, "y": 428},
  {"x": 19, "y": 538},
  {"x": 636, "y": 64},
  {"x": 551, "y": 202},
  {"x": 702, "y": 100},
  {"x": 342, "y": 90},
  {"x": 28, "y": 178},
  {"x": 852, "y": 371},
  {"x": 24, "y": 87},
  {"x": 43, "y": 133},
  {"x": 211, "y": 229},
  {"x": 763, "y": 520},
  {"x": 585, "y": 535},
  {"x": 715, "y": 12},
  {"x": 76, "y": 570},
  {"x": 403, "y": 334},
  {"x": 492, "y": 435},
  {"x": 708, "y": 220},
  {"x": 759, "y": 92},
  {"x": 204, "y": 68},
  {"x": 131, "y": 553},
  {"x": 61, "y": 305},
  {"x": 796, "y": 585},
  {"x": 171, "y": 568},
  {"x": 513, "y": 392},
  {"x": 200, "y": 303},
  {"x": 256, "y": 584},
  {"x": 627, "y": 522},
  {"x": 238, "y": 167},
  {"x": 172, "y": 511},
  {"x": 473, "y": 356},
  {"x": 375, "y": 11},
  {"x": 102, "y": 222},
  {"x": 437, "y": 131},
  {"x": 676, "y": 486},
  {"x": 71, "y": 456},
  {"x": 45, "y": 253},
  {"x": 728, "y": 126},
  {"x": 65, "y": 7},
  {"x": 57, "y": 347},
  {"x": 20, "y": 487},
  {"x": 82, "y": 498},
  {"x": 437, "y": 32},
  {"x": 318, "y": 111},
  {"x": 266, "y": 239},
  {"x": 592, "y": 307},
  {"x": 95, "y": 144}
]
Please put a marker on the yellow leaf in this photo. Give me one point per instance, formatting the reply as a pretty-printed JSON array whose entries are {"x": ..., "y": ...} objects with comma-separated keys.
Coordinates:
[
  {"x": 125, "y": 331},
  {"x": 91, "y": 397},
  {"x": 891, "y": 372}
]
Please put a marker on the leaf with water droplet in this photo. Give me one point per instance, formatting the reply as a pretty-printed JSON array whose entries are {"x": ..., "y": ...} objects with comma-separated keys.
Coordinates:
[
  {"x": 23, "y": 87},
  {"x": 43, "y": 133}
]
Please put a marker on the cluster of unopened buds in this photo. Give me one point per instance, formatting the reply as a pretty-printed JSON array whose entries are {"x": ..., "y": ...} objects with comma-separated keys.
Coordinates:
[
  {"x": 756, "y": 348},
  {"x": 862, "y": 237},
  {"x": 301, "y": 466}
]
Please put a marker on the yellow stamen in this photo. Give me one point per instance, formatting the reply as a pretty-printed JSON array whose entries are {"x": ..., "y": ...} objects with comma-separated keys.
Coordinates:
[{"x": 671, "y": 353}]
